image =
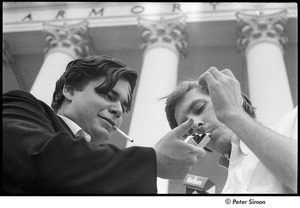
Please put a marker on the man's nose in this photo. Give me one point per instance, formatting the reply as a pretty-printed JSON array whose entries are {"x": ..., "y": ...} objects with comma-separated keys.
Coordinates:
[
  {"x": 116, "y": 109},
  {"x": 198, "y": 126}
]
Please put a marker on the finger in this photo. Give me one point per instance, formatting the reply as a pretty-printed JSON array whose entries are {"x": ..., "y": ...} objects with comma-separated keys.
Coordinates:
[
  {"x": 183, "y": 128},
  {"x": 216, "y": 73},
  {"x": 212, "y": 72},
  {"x": 228, "y": 72},
  {"x": 200, "y": 152},
  {"x": 212, "y": 69},
  {"x": 202, "y": 155},
  {"x": 202, "y": 81},
  {"x": 205, "y": 80}
]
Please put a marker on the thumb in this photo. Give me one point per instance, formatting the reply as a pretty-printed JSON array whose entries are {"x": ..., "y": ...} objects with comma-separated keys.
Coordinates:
[{"x": 183, "y": 128}]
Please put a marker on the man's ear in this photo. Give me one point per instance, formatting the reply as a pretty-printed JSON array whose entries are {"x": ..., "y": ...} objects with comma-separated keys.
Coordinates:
[{"x": 68, "y": 92}]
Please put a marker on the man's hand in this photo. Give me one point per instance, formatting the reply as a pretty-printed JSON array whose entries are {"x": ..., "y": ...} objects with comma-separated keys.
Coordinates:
[
  {"x": 224, "y": 90},
  {"x": 175, "y": 158}
]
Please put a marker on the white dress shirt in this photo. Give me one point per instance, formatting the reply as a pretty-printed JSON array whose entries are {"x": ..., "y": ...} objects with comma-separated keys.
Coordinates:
[
  {"x": 246, "y": 174},
  {"x": 74, "y": 127}
]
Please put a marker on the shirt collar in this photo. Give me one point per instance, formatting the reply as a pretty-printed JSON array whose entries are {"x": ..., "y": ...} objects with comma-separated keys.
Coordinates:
[
  {"x": 224, "y": 161},
  {"x": 236, "y": 145},
  {"x": 244, "y": 148},
  {"x": 73, "y": 126}
]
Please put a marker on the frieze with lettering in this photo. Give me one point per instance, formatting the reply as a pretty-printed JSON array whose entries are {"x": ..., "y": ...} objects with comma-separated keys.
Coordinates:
[{"x": 75, "y": 13}]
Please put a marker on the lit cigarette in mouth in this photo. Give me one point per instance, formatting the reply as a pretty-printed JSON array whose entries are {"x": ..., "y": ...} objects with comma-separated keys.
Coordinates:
[{"x": 123, "y": 134}]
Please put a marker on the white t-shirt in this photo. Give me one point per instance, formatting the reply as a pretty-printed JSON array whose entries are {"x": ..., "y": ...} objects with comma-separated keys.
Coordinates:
[{"x": 246, "y": 174}]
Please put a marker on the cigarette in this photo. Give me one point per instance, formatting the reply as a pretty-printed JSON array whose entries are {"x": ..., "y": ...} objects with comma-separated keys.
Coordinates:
[{"x": 123, "y": 134}]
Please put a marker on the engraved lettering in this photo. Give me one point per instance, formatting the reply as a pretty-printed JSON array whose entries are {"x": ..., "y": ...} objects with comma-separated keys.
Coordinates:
[
  {"x": 137, "y": 9},
  {"x": 95, "y": 13},
  {"x": 176, "y": 7},
  {"x": 28, "y": 17},
  {"x": 61, "y": 14}
]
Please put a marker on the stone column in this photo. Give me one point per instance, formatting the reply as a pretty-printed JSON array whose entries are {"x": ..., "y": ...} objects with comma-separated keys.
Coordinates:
[
  {"x": 64, "y": 44},
  {"x": 262, "y": 40},
  {"x": 164, "y": 44}
]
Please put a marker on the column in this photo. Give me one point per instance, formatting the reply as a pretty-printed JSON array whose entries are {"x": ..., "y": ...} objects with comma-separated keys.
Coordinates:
[
  {"x": 64, "y": 44},
  {"x": 262, "y": 40},
  {"x": 164, "y": 44}
]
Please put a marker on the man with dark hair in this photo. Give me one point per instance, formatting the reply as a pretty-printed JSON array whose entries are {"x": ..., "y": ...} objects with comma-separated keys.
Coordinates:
[
  {"x": 259, "y": 160},
  {"x": 64, "y": 150}
]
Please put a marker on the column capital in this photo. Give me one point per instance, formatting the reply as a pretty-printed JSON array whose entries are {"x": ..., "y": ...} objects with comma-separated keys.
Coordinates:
[
  {"x": 71, "y": 39},
  {"x": 168, "y": 33},
  {"x": 253, "y": 29}
]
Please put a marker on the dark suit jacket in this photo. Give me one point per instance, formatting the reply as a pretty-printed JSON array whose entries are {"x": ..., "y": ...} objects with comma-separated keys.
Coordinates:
[{"x": 41, "y": 156}]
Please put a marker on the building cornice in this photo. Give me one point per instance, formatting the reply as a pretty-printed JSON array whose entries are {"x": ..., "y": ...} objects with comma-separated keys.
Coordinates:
[{"x": 30, "y": 16}]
